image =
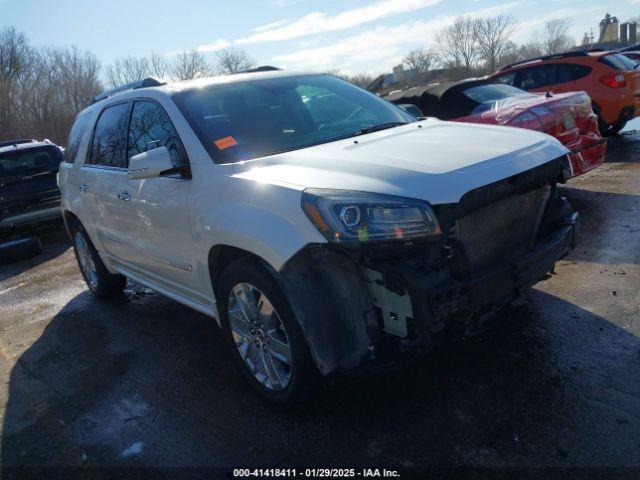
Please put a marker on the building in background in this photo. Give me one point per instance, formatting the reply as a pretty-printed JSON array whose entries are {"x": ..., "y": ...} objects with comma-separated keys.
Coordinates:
[
  {"x": 628, "y": 33},
  {"x": 609, "y": 29},
  {"x": 612, "y": 35}
]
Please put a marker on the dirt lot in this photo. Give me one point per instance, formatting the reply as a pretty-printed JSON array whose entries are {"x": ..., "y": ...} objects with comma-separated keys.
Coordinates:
[{"x": 147, "y": 382}]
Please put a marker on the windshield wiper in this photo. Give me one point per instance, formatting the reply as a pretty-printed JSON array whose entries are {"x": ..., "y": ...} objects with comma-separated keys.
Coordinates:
[{"x": 375, "y": 128}]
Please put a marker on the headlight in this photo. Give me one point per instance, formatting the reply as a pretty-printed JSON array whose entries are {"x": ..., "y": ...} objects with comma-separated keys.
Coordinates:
[{"x": 351, "y": 217}]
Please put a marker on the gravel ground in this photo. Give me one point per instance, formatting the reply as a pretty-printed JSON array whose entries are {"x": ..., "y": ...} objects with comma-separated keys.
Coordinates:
[{"x": 146, "y": 382}]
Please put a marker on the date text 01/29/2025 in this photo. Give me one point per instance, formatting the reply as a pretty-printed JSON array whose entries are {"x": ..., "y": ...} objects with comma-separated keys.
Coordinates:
[{"x": 315, "y": 473}]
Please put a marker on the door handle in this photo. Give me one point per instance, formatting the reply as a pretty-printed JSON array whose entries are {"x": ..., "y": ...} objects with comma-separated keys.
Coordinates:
[
  {"x": 125, "y": 196},
  {"x": 83, "y": 187}
]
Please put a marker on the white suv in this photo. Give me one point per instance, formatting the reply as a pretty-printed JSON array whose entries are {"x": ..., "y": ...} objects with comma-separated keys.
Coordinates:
[{"x": 326, "y": 230}]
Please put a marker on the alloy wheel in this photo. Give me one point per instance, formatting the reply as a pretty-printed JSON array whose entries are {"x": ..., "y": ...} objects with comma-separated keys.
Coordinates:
[
  {"x": 85, "y": 258},
  {"x": 259, "y": 336}
]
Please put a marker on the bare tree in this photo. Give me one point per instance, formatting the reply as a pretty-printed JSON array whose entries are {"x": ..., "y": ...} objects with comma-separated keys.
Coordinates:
[
  {"x": 127, "y": 70},
  {"x": 529, "y": 50},
  {"x": 419, "y": 60},
  {"x": 516, "y": 53},
  {"x": 492, "y": 36},
  {"x": 158, "y": 66},
  {"x": 635, "y": 20},
  {"x": 184, "y": 66},
  {"x": 362, "y": 80},
  {"x": 233, "y": 60},
  {"x": 55, "y": 86},
  {"x": 457, "y": 46},
  {"x": 131, "y": 69},
  {"x": 79, "y": 73},
  {"x": 15, "y": 55},
  {"x": 189, "y": 65},
  {"x": 555, "y": 36},
  {"x": 42, "y": 89}
]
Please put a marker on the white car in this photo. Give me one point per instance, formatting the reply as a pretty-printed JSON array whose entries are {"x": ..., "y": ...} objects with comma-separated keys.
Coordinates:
[{"x": 326, "y": 230}]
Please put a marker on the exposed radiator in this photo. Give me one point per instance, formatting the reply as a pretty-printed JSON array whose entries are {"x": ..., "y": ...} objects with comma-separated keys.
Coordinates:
[{"x": 502, "y": 229}]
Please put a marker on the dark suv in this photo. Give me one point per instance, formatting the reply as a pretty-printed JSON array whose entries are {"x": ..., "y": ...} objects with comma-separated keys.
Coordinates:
[{"x": 29, "y": 193}]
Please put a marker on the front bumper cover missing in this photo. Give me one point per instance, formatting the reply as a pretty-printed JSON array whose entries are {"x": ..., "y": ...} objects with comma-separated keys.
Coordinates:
[{"x": 341, "y": 323}]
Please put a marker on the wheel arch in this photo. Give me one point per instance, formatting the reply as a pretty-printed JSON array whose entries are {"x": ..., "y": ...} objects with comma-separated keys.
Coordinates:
[
  {"x": 338, "y": 332},
  {"x": 222, "y": 255},
  {"x": 68, "y": 217}
]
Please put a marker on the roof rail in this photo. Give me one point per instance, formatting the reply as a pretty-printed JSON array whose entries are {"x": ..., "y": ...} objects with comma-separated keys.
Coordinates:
[
  {"x": 579, "y": 53},
  {"x": 261, "y": 68},
  {"x": 19, "y": 141},
  {"x": 630, "y": 48},
  {"x": 145, "y": 82}
]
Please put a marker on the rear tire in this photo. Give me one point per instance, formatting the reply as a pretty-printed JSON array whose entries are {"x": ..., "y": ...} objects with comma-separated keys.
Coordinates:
[
  {"x": 610, "y": 129},
  {"x": 263, "y": 335},
  {"x": 617, "y": 128},
  {"x": 101, "y": 283}
]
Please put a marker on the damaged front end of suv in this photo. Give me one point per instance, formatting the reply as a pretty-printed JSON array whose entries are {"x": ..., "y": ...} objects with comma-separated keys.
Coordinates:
[{"x": 397, "y": 276}]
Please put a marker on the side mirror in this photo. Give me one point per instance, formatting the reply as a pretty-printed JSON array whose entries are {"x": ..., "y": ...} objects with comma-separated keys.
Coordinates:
[{"x": 149, "y": 164}]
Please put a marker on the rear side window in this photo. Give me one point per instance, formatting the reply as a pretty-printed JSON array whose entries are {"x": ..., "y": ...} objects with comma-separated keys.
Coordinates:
[
  {"x": 20, "y": 163},
  {"x": 563, "y": 73},
  {"x": 580, "y": 71},
  {"x": 535, "y": 77},
  {"x": 75, "y": 137},
  {"x": 108, "y": 137},
  {"x": 151, "y": 128},
  {"x": 618, "y": 62}
]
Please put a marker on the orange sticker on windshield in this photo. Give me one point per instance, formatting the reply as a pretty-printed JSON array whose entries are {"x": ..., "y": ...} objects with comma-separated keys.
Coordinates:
[{"x": 225, "y": 142}]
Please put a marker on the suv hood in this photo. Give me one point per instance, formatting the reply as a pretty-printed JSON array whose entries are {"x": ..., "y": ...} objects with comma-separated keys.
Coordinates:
[{"x": 430, "y": 160}]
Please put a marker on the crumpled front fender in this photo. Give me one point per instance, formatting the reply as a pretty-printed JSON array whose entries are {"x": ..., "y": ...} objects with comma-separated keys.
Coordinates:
[{"x": 332, "y": 306}]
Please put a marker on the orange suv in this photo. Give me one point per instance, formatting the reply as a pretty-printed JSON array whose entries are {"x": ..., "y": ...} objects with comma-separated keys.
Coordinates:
[{"x": 609, "y": 78}]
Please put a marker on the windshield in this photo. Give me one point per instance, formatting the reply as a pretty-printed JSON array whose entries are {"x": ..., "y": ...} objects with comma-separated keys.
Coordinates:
[
  {"x": 20, "y": 163},
  {"x": 245, "y": 120}
]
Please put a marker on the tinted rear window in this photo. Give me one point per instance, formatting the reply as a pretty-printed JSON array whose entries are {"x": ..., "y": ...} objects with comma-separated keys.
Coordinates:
[
  {"x": 618, "y": 62},
  {"x": 29, "y": 162},
  {"x": 75, "y": 137},
  {"x": 563, "y": 73},
  {"x": 109, "y": 138},
  {"x": 535, "y": 77},
  {"x": 579, "y": 71}
]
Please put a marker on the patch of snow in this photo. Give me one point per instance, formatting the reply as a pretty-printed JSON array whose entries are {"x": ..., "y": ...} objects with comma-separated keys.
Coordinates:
[
  {"x": 134, "y": 449},
  {"x": 131, "y": 408}
]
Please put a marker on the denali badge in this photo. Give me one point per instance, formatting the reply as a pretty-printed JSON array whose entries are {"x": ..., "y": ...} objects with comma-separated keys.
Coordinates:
[{"x": 182, "y": 266}]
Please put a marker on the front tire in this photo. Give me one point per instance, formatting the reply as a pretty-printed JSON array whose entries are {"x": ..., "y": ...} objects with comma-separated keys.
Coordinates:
[
  {"x": 266, "y": 342},
  {"x": 101, "y": 283}
]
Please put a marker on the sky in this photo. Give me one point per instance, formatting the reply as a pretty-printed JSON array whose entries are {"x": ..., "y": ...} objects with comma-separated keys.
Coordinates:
[{"x": 349, "y": 35}]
